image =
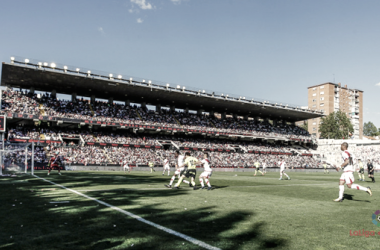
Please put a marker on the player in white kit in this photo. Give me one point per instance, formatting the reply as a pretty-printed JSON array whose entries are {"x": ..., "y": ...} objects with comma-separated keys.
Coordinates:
[
  {"x": 348, "y": 176},
  {"x": 282, "y": 164},
  {"x": 178, "y": 170},
  {"x": 125, "y": 166},
  {"x": 166, "y": 166},
  {"x": 207, "y": 172},
  {"x": 264, "y": 167}
]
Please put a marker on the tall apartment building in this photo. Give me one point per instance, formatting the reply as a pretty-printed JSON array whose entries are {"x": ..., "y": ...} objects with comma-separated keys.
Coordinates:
[{"x": 330, "y": 97}]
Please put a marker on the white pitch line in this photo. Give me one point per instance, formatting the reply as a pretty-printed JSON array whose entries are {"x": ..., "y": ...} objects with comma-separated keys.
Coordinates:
[
  {"x": 137, "y": 189},
  {"x": 289, "y": 185},
  {"x": 165, "y": 229},
  {"x": 118, "y": 189}
]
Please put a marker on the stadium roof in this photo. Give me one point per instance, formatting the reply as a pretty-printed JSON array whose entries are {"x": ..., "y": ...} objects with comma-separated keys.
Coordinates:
[{"x": 48, "y": 77}]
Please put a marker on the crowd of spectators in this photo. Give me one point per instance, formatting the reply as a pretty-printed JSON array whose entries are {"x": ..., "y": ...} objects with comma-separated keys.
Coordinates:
[
  {"x": 203, "y": 143},
  {"x": 125, "y": 138},
  {"x": 45, "y": 104},
  {"x": 21, "y": 102},
  {"x": 27, "y": 103},
  {"x": 36, "y": 133},
  {"x": 331, "y": 153},
  {"x": 86, "y": 155},
  {"x": 23, "y": 133},
  {"x": 266, "y": 147}
]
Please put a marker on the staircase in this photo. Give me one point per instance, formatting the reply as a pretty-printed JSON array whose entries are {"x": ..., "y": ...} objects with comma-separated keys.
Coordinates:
[
  {"x": 175, "y": 145},
  {"x": 177, "y": 121},
  {"x": 243, "y": 148},
  {"x": 92, "y": 111},
  {"x": 138, "y": 114},
  {"x": 81, "y": 140},
  {"x": 211, "y": 122}
]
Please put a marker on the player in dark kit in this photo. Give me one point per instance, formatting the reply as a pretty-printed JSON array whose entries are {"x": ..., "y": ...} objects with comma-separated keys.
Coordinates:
[
  {"x": 55, "y": 162},
  {"x": 371, "y": 170}
]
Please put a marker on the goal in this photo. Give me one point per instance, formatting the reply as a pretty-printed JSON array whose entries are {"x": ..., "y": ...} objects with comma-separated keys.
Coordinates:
[{"x": 16, "y": 158}]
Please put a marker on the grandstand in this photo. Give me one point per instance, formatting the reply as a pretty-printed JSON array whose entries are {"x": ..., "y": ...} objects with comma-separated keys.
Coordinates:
[{"x": 237, "y": 131}]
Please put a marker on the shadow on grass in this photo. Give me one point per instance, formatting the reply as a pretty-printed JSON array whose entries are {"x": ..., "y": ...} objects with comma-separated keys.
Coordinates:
[
  {"x": 218, "y": 187},
  {"x": 85, "y": 224},
  {"x": 350, "y": 198}
]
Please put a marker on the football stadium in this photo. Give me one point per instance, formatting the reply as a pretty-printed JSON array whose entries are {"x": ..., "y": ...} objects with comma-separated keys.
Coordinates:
[
  {"x": 93, "y": 159},
  {"x": 105, "y": 184}
]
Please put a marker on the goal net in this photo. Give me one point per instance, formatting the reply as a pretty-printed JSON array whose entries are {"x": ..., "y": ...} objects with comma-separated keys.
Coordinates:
[{"x": 16, "y": 158}]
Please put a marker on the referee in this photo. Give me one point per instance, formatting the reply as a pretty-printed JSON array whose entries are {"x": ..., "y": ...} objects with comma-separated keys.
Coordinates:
[{"x": 371, "y": 171}]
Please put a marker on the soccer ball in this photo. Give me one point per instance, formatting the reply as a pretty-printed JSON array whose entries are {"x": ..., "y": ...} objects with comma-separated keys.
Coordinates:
[{"x": 378, "y": 218}]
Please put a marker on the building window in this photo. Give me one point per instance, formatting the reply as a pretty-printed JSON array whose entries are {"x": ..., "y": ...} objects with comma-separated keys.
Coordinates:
[
  {"x": 314, "y": 100},
  {"x": 314, "y": 88},
  {"x": 314, "y": 94},
  {"x": 322, "y": 98},
  {"x": 322, "y": 93},
  {"x": 322, "y": 104},
  {"x": 314, "y": 106},
  {"x": 314, "y": 129},
  {"x": 322, "y": 87},
  {"x": 314, "y": 123}
]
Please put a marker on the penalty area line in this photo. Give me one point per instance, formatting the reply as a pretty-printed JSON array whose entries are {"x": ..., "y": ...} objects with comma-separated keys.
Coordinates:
[{"x": 165, "y": 229}]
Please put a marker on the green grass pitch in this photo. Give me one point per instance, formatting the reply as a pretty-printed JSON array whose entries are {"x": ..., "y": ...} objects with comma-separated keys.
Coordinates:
[{"x": 242, "y": 212}]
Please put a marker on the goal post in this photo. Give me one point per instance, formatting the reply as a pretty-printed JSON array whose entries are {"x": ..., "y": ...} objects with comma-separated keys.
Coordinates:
[
  {"x": 2, "y": 134},
  {"x": 17, "y": 158}
]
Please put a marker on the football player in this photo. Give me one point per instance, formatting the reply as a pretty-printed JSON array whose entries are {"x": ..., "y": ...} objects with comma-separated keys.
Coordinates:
[
  {"x": 178, "y": 169},
  {"x": 282, "y": 164},
  {"x": 325, "y": 167},
  {"x": 207, "y": 172},
  {"x": 54, "y": 163},
  {"x": 348, "y": 177},
  {"x": 371, "y": 171},
  {"x": 361, "y": 170},
  {"x": 166, "y": 166},
  {"x": 151, "y": 166},
  {"x": 125, "y": 166},
  {"x": 257, "y": 169},
  {"x": 190, "y": 170},
  {"x": 264, "y": 167}
]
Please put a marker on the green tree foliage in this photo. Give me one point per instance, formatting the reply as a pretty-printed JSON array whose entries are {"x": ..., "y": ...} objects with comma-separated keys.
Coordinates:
[
  {"x": 336, "y": 126},
  {"x": 369, "y": 129},
  {"x": 305, "y": 125}
]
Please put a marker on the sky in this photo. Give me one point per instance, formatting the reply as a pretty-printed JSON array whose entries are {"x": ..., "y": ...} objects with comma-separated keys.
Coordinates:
[{"x": 264, "y": 49}]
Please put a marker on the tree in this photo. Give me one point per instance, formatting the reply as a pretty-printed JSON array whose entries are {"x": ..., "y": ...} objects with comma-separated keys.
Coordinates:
[
  {"x": 369, "y": 129},
  {"x": 336, "y": 126},
  {"x": 305, "y": 125}
]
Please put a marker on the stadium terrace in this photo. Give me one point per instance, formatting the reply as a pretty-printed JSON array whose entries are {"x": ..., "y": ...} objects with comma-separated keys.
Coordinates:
[{"x": 56, "y": 78}]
